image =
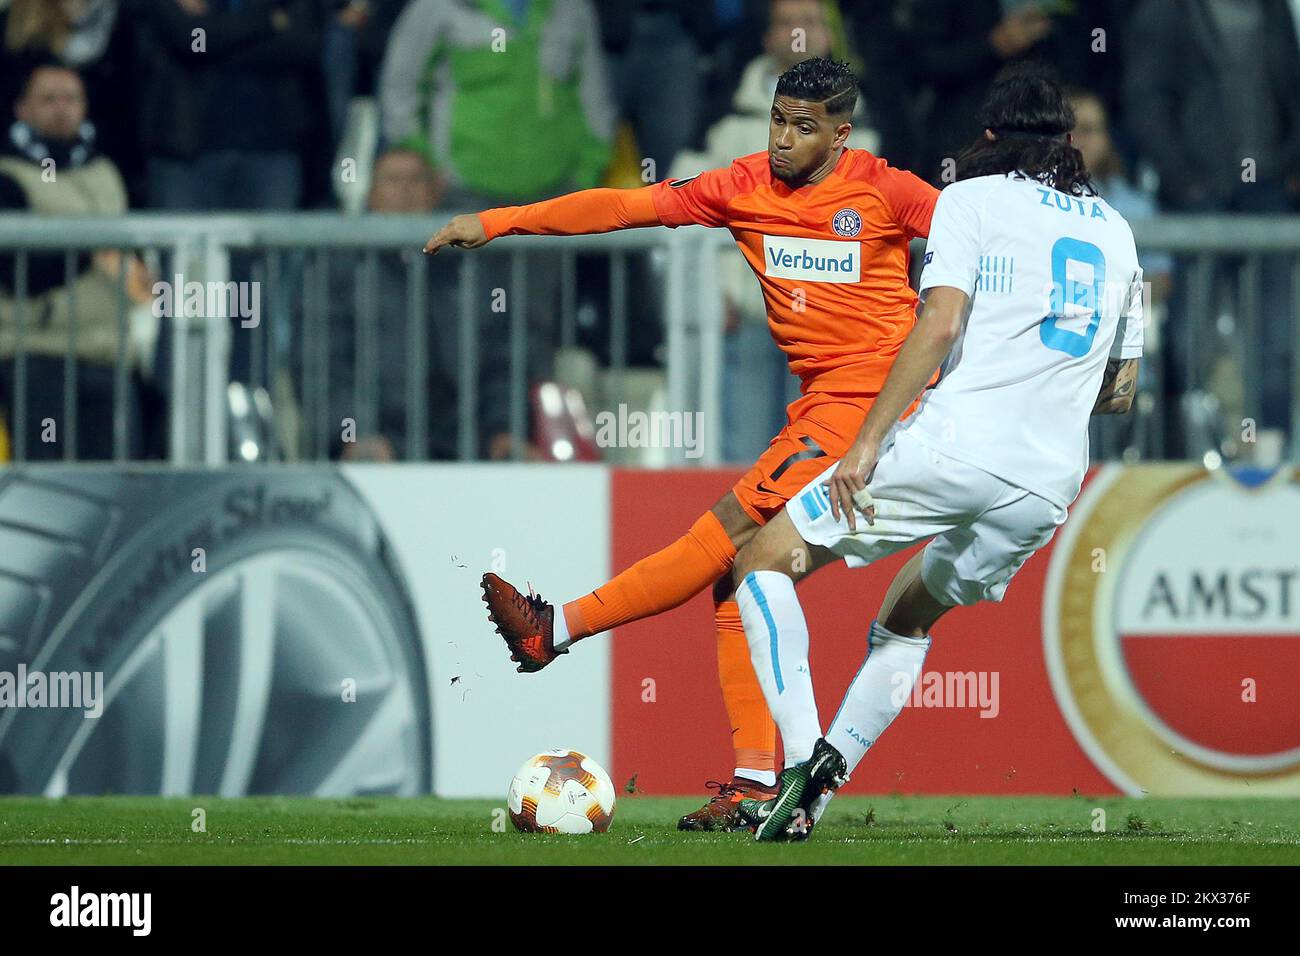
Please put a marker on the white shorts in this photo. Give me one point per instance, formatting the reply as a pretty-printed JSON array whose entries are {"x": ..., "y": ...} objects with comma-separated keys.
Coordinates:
[{"x": 983, "y": 528}]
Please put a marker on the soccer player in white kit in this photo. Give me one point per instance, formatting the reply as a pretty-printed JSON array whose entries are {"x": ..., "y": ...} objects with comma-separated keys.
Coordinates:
[{"x": 1032, "y": 303}]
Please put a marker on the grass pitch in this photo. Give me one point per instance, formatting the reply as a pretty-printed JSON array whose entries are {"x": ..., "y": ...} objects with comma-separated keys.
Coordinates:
[{"x": 882, "y": 830}]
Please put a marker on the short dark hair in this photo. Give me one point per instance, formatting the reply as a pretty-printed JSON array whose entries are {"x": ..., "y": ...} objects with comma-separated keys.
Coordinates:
[
  {"x": 1028, "y": 114},
  {"x": 821, "y": 80},
  {"x": 35, "y": 64}
]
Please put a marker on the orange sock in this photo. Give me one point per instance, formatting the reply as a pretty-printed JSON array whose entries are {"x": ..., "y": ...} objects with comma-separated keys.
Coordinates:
[
  {"x": 656, "y": 583},
  {"x": 753, "y": 731}
]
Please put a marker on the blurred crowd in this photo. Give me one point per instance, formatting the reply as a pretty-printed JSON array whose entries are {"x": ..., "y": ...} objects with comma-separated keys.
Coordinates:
[{"x": 243, "y": 105}]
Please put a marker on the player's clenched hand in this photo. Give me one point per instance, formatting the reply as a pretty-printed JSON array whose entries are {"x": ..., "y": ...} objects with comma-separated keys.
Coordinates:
[
  {"x": 464, "y": 232},
  {"x": 850, "y": 478}
]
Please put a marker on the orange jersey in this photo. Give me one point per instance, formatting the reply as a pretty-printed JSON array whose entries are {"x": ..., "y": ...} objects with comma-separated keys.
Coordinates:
[{"x": 831, "y": 257}]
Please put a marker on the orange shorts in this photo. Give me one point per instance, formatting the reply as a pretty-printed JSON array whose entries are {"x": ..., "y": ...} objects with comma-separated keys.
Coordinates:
[{"x": 820, "y": 427}]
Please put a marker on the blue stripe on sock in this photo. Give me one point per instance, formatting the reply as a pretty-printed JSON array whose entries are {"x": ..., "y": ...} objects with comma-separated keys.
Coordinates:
[{"x": 771, "y": 629}]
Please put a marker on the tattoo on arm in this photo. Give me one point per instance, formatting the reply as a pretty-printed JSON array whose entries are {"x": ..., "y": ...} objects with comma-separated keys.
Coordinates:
[{"x": 1118, "y": 386}]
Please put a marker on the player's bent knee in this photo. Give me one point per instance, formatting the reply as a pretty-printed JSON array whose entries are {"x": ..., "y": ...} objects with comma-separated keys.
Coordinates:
[
  {"x": 746, "y": 564},
  {"x": 776, "y": 547},
  {"x": 752, "y": 558},
  {"x": 918, "y": 607}
]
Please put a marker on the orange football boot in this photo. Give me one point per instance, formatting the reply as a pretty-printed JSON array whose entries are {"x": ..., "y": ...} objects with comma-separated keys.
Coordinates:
[
  {"x": 526, "y": 623},
  {"x": 722, "y": 812}
]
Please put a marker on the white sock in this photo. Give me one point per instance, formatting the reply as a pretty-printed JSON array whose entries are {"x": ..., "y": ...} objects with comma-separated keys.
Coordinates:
[
  {"x": 766, "y": 777},
  {"x": 819, "y": 805},
  {"x": 878, "y": 692},
  {"x": 560, "y": 629},
  {"x": 778, "y": 648}
]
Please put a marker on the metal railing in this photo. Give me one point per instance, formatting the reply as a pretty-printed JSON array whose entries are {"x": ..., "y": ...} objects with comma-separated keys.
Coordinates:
[
  {"x": 293, "y": 256},
  {"x": 1218, "y": 308}
]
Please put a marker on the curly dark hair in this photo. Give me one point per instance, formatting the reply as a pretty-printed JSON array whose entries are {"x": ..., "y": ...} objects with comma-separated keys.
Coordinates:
[
  {"x": 821, "y": 80},
  {"x": 1028, "y": 114}
]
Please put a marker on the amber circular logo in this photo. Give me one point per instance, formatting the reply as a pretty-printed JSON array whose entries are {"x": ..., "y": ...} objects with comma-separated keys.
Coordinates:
[{"x": 1171, "y": 621}]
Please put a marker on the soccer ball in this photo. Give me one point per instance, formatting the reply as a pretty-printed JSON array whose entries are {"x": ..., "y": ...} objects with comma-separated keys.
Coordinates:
[{"x": 561, "y": 791}]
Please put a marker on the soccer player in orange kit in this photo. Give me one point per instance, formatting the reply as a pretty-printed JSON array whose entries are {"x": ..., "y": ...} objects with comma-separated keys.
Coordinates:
[{"x": 826, "y": 229}]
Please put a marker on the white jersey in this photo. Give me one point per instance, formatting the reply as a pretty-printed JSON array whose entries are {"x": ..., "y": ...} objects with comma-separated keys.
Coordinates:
[{"x": 1055, "y": 291}]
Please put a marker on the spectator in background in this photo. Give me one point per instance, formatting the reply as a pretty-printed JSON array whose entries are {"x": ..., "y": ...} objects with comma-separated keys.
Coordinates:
[
  {"x": 891, "y": 82},
  {"x": 1112, "y": 436},
  {"x": 654, "y": 49},
  {"x": 93, "y": 38},
  {"x": 356, "y": 33},
  {"x": 403, "y": 182},
  {"x": 51, "y": 134},
  {"x": 230, "y": 101},
  {"x": 757, "y": 384},
  {"x": 223, "y": 111},
  {"x": 509, "y": 100},
  {"x": 1236, "y": 66},
  {"x": 1093, "y": 138},
  {"x": 961, "y": 44},
  {"x": 1214, "y": 103},
  {"x": 735, "y": 37}
]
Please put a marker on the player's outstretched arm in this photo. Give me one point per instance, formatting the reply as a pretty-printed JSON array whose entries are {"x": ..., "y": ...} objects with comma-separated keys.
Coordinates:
[
  {"x": 1118, "y": 387},
  {"x": 579, "y": 213},
  {"x": 702, "y": 200},
  {"x": 925, "y": 349}
]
